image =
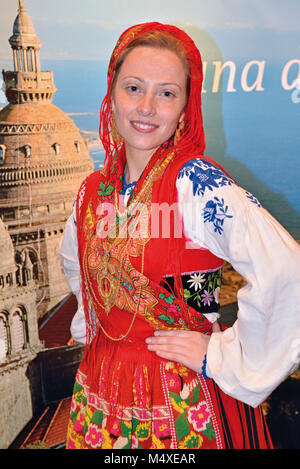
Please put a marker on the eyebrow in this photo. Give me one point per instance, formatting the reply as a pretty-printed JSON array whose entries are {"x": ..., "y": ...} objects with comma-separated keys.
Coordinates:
[{"x": 143, "y": 81}]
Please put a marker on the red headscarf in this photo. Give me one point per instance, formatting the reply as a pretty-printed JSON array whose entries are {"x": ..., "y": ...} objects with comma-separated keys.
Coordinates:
[{"x": 192, "y": 139}]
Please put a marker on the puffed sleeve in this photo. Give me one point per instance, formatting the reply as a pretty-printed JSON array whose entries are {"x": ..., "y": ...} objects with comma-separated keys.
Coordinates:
[
  {"x": 251, "y": 358},
  {"x": 71, "y": 267}
]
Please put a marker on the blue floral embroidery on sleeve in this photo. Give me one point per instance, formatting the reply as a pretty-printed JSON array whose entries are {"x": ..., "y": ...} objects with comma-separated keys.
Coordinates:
[
  {"x": 204, "y": 175},
  {"x": 253, "y": 199},
  {"x": 215, "y": 211}
]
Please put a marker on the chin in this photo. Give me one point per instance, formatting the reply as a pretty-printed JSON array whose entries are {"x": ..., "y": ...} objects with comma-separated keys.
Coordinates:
[{"x": 143, "y": 146}]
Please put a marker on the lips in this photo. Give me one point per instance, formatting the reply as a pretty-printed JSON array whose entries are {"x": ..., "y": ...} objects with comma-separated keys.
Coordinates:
[{"x": 143, "y": 127}]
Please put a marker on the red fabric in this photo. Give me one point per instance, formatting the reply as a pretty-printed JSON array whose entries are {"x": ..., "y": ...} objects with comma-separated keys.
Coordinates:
[{"x": 241, "y": 426}]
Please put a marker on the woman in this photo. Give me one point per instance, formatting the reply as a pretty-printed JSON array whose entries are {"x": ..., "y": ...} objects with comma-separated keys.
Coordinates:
[{"x": 152, "y": 229}]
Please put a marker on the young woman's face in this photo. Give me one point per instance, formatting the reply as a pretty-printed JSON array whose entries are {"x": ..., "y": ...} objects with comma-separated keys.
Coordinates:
[{"x": 149, "y": 98}]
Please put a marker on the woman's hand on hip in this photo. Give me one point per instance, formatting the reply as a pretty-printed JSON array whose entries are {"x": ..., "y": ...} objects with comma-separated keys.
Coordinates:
[{"x": 186, "y": 347}]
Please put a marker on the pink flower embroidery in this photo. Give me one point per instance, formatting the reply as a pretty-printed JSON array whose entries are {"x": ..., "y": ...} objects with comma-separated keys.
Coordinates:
[
  {"x": 93, "y": 436},
  {"x": 199, "y": 416},
  {"x": 71, "y": 444},
  {"x": 161, "y": 428},
  {"x": 173, "y": 312},
  {"x": 79, "y": 423},
  {"x": 115, "y": 429},
  {"x": 173, "y": 381}
]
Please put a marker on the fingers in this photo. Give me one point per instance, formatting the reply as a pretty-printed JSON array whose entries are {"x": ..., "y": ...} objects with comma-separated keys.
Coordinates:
[
  {"x": 169, "y": 337},
  {"x": 173, "y": 333},
  {"x": 177, "y": 349},
  {"x": 172, "y": 343},
  {"x": 173, "y": 337},
  {"x": 166, "y": 341},
  {"x": 181, "y": 343},
  {"x": 186, "y": 347},
  {"x": 188, "y": 359}
]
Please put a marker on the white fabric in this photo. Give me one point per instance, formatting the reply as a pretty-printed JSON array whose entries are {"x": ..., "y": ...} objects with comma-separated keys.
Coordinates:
[
  {"x": 250, "y": 359},
  {"x": 70, "y": 263}
]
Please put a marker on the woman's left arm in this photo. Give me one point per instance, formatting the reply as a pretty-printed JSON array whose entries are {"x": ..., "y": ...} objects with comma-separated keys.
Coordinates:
[{"x": 251, "y": 358}]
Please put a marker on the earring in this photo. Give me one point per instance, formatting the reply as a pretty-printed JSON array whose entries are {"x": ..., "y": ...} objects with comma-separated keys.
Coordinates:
[
  {"x": 114, "y": 131},
  {"x": 178, "y": 131}
]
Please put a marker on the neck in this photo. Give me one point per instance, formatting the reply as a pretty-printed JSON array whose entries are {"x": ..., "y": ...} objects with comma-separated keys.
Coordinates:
[{"x": 136, "y": 162}]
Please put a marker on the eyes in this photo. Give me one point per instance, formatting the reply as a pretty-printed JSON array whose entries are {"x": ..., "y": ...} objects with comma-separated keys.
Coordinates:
[
  {"x": 168, "y": 94},
  {"x": 139, "y": 90},
  {"x": 132, "y": 89}
]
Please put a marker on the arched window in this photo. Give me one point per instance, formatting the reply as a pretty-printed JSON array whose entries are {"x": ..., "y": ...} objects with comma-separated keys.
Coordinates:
[
  {"x": 28, "y": 151},
  {"x": 19, "y": 330},
  {"x": 56, "y": 147},
  {"x": 4, "y": 336}
]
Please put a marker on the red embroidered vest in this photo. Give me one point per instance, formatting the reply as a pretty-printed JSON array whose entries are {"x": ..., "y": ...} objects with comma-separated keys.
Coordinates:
[{"x": 123, "y": 277}]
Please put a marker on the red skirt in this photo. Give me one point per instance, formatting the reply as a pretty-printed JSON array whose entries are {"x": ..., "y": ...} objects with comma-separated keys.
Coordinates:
[{"x": 126, "y": 397}]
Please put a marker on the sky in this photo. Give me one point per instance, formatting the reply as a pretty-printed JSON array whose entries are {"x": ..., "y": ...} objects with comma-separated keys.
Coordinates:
[{"x": 88, "y": 29}]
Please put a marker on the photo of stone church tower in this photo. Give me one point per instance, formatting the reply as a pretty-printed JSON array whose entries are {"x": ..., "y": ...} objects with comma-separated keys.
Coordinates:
[{"x": 43, "y": 160}]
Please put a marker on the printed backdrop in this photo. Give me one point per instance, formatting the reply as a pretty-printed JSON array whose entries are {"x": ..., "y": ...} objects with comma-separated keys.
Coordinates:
[{"x": 251, "y": 95}]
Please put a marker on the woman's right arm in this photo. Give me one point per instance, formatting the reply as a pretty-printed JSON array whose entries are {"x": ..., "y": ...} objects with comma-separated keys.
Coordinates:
[{"x": 71, "y": 267}]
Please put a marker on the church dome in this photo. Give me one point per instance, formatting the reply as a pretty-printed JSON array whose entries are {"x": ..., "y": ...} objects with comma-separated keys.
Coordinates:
[
  {"x": 34, "y": 114},
  {"x": 45, "y": 161}
]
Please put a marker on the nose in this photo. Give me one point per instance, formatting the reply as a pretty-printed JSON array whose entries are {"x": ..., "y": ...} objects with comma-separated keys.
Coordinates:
[{"x": 146, "y": 105}]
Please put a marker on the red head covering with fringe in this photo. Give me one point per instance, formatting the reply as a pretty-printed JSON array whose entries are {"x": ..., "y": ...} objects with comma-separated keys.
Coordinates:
[{"x": 192, "y": 140}]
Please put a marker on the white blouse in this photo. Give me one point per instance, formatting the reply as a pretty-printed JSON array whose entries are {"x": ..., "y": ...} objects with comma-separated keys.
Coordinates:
[{"x": 251, "y": 358}]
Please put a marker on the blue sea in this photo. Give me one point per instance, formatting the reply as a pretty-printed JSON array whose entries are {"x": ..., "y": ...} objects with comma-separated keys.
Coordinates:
[{"x": 253, "y": 135}]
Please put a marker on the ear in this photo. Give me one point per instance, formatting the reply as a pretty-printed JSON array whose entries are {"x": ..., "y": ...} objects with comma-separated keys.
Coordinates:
[
  {"x": 112, "y": 103},
  {"x": 181, "y": 117}
]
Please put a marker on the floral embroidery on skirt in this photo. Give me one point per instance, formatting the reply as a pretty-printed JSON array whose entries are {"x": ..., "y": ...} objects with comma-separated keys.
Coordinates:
[{"x": 176, "y": 415}]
